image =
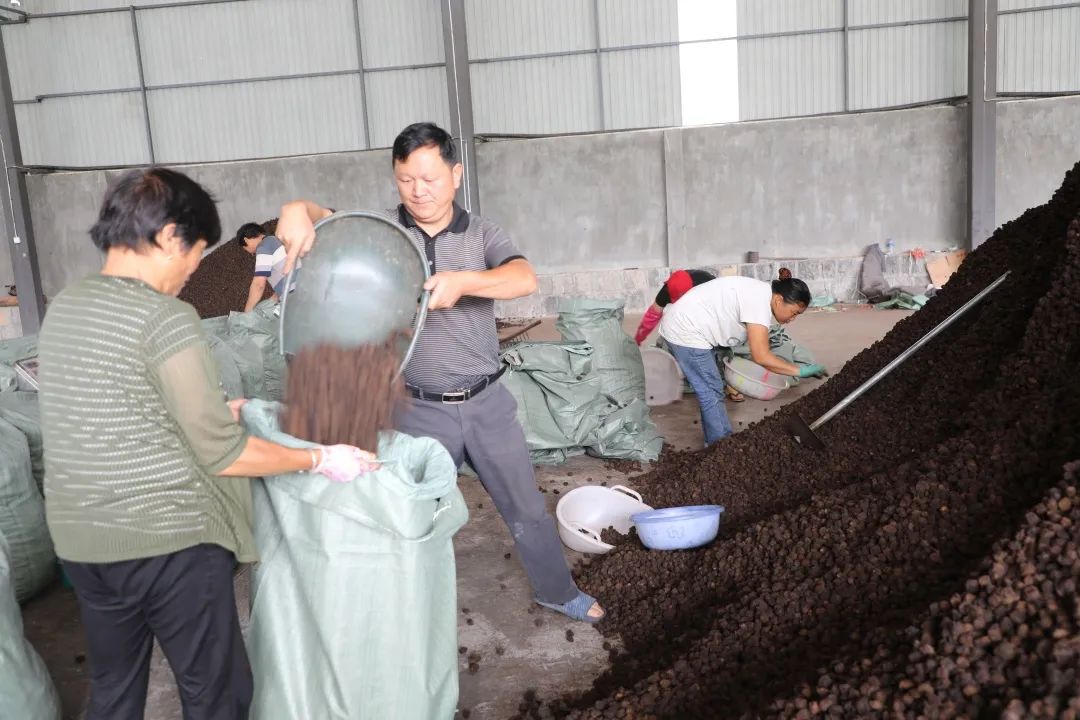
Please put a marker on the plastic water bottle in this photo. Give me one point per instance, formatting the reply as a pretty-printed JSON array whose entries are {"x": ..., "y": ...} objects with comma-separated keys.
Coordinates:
[{"x": 889, "y": 246}]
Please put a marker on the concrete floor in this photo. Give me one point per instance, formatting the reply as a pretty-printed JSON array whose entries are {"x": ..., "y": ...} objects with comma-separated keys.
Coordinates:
[{"x": 522, "y": 646}]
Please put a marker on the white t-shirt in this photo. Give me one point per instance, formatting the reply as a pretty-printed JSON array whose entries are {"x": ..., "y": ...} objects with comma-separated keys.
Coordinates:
[{"x": 714, "y": 314}]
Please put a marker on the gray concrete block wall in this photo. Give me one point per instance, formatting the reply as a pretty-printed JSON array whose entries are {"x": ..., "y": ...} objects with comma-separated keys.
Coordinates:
[{"x": 585, "y": 208}]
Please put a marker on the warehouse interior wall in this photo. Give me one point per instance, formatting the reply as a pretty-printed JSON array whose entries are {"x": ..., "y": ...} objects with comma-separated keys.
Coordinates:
[{"x": 809, "y": 187}]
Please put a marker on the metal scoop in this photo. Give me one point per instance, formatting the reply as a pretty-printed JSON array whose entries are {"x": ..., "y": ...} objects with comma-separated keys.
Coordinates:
[
  {"x": 804, "y": 432},
  {"x": 362, "y": 283}
]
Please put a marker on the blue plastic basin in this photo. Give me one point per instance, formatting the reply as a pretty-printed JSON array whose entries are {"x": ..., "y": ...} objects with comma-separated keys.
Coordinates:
[{"x": 678, "y": 528}]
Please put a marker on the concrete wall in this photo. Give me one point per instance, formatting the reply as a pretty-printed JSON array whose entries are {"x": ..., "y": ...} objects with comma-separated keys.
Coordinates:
[{"x": 811, "y": 187}]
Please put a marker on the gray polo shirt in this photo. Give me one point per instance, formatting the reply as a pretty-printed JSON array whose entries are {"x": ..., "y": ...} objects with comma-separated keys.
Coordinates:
[{"x": 458, "y": 346}]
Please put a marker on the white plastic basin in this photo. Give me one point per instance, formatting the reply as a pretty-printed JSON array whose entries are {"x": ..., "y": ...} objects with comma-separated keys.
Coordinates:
[
  {"x": 751, "y": 379},
  {"x": 583, "y": 512}
]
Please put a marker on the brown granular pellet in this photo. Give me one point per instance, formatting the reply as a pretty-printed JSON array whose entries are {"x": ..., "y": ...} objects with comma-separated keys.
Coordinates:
[
  {"x": 343, "y": 395},
  {"x": 221, "y": 282}
]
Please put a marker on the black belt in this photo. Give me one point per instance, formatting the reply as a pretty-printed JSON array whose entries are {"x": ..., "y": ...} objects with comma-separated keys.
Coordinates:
[{"x": 457, "y": 396}]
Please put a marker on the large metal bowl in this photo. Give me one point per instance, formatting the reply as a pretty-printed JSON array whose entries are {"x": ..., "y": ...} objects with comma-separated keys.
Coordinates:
[{"x": 362, "y": 283}]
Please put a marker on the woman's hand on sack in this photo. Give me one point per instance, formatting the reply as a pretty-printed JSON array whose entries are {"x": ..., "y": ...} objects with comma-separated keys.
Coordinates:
[
  {"x": 342, "y": 463},
  {"x": 234, "y": 407}
]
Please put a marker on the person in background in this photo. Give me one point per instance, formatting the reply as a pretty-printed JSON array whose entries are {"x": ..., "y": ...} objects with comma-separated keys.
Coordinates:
[
  {"x": 270, "y": 260},
  {"x": 147, "y": 468},
  {"x": 454, "y": 373},
  {"x": 674, "y": 288},
  {"x": 726, "y": 312}
]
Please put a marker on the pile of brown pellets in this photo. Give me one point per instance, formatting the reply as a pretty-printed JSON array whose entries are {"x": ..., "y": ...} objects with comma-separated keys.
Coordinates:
[{"x": 925, "y": 564}]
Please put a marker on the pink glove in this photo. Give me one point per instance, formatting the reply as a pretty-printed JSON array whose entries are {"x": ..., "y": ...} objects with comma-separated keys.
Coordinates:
[
  {"x": 650, "y": 321},
  {"x": 342, "y": 463}
]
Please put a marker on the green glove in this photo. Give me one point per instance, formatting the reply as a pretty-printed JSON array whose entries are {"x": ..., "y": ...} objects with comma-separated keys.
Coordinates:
[{"x": 813, "y": 371}]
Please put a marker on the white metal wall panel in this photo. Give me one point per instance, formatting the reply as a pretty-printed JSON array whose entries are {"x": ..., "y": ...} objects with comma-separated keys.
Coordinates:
[
  {"x": 506, "y": 28},
  {"x": 548, "y": 95},
  {"x": 796, "y": 75},
  {"x": 54, "y": 55},
  {"x": 871, "y": 12},
  {"x": 641, "y": 88},
  {"x": 757, "y": 17},
  {"x": 907, "y": 64},
  {"x": 51, "y": 6},
  {"x": 638, "y": 22},
  {"x": 401, "y": 32},
  {"x": 246, "y": 40},
  {"x": 1021, "y": 4},
  {"x": 251, "y": 120},
  {"x": 1039, "y": 51},
  {"x": 401, "y": 97},
  {"x": 83, "y": 131}
]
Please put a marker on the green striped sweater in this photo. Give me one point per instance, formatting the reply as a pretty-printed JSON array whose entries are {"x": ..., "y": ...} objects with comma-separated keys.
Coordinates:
[{"x": 125, "y": 476}]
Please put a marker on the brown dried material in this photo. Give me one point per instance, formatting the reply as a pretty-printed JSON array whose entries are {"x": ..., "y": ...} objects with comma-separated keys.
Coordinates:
[
  {"x": 342, "y": 395},
  {"x": 221, "y": 282},
  {"x": 923, "y": 565}
]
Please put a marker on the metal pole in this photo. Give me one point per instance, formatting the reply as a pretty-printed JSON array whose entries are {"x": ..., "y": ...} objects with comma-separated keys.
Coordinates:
[
  {"x": 16, "y": 212},
  {"x": 847, "y": 92},
  {"x": 142, "y": 84},
  {"x": 857, "y": 392},
  {"x": 982, "y": 149},
  {"x": 363, "y": 77},
  {"x": 459, "y": 93},
  {"x": 599, "y": 66}
]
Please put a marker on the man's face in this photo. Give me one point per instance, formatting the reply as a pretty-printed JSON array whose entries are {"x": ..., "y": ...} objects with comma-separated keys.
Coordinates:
[{"x": 426, "y": 184}]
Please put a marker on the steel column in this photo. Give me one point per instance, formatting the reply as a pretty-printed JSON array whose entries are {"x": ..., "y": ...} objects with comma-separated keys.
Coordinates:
[
  {"x": 459, "y": 93},
  {"x": 16, "y": 211},
  {"x": 982, "y": 115}
]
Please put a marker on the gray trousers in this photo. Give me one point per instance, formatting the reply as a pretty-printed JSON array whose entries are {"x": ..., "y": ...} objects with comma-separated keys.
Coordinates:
[{"x": 484, "y": 430}]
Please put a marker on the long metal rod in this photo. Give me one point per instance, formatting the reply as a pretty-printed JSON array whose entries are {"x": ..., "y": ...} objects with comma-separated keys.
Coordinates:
[
  {"x": 459, "y": 97},
  {"x": 142, "y": 84},
  {"x": 858, "y": 392},
  {"x": 360, "y": 69}
]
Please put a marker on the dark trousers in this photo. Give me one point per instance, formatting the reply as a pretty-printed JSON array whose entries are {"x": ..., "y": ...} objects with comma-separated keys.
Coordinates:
[
  {"x": 484, "y": 430},
  {"x": 185, "y": 600}
]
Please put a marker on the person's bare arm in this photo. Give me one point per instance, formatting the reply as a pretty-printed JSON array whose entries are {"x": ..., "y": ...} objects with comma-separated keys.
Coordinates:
[
  {"x": 255, "y": 293},
  {"x": 512, "y": 280},
  {"x": 758, "y": 338},
  {"x": 296, "y": 228}
]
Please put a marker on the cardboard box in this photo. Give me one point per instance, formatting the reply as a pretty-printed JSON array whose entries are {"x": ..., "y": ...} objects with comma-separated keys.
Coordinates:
[{"x": 941, "y": 265}]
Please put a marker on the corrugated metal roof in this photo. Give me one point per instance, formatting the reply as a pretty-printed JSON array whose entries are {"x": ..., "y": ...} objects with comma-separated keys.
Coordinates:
[
  {"x": 401, "y": 32},
  {"x": 771, "y": 16},
  {"x": 55, "y": 55},
  {"x": 909, "y": 64},
  {"x": 638, "y": 22},
  {"x": 401, "y": 97},
  {"x": 505, "y": 28},
  {"x": 88, "y": 130},
  {"x": 49, "y": 6},
  {"x": 548, "y": 95},
  {"x": 869, "y": 12},
  {"x": 246, "y": 39},
  {"x": 1039, "y": 51},
  {"x": 251, "y": 120},
  {"x": 796, "y": 75},
  {"x": 641, "y": 88}
]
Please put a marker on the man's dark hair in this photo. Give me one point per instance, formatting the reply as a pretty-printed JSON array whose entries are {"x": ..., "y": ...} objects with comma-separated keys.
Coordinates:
[
  {"x": 138, "y": 205},
  {"x": 248, "y": 231},
  {"x": 421, "y": 135},
  {"x": 269, "y": 227}
]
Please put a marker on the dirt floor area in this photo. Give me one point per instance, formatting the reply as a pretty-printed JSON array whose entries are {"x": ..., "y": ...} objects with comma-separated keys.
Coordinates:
[{"x": 510, "y": 645}]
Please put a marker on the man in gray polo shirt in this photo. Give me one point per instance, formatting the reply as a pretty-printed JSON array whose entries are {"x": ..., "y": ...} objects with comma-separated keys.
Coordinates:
[{"x": 454, "y": 371}]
